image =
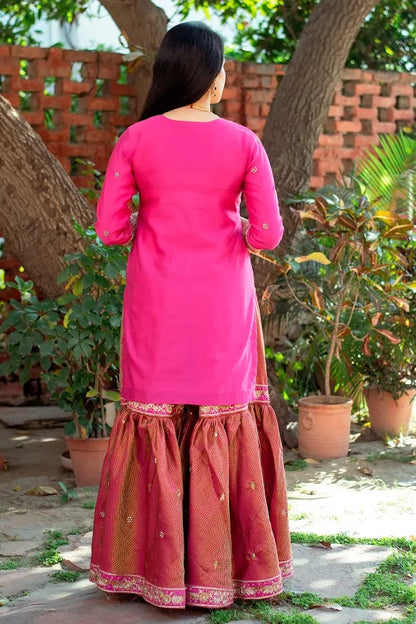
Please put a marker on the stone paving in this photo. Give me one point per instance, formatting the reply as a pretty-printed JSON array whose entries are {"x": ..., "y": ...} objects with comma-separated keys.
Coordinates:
[{"x": 30, "y": 595}]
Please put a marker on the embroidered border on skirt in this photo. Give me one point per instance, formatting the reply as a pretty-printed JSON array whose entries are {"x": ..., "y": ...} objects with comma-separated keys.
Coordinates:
[{"x": 191, "y": 595}]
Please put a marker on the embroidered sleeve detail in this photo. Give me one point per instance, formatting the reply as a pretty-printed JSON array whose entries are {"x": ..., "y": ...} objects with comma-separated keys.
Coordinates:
[
  {"x": 113, "y": 224},
  {"x": 259, "y": 192}
]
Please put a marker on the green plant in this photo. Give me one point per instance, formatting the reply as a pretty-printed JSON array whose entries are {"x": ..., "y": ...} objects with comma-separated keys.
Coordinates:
[
  {"x": 67, "y": 495},
  {"x": 10, "y": 564},
  {"x": 88, "y": 505},
  {"x": 388, "y": 173},
  {"x": 65, "y": 576},
  {"x": 50, "y": 556},
  {"x": 349, "y": 268},
  {"x": 75, "y": 339}
]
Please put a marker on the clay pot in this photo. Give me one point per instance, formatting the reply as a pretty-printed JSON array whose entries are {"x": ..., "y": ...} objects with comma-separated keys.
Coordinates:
[
  {"x": 87, "y": 458},
  {"x": 389, "y": 417},
  {"x": 66, "y": 461},
  {"x": 324, "y": 426}
]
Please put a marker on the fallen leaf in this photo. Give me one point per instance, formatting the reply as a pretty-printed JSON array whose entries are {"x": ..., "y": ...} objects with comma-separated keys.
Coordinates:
[
  {"x": 413, "y": 461},
  {"x": 20, "y": 445},
  {"x": 42, "y": 490},
  {"x": 68, "y": 565},
  {"x": 321, "y": 544},
  {"x": 366, "y": 470},
  {"x": 310, "y": 460},
  {"x": 17, "y": 487},
  {"x": 331, "y": 606}
]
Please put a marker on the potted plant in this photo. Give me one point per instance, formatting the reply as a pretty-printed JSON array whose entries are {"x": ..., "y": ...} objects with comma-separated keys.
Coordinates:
[
  {"x": 344, "y": 236},
  {"x": 387, "y": 359},
  {"x": 75, "y": 340}
]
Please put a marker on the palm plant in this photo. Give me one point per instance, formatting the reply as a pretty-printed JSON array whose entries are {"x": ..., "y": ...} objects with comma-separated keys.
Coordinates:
[{"x": 388, "y": 174}]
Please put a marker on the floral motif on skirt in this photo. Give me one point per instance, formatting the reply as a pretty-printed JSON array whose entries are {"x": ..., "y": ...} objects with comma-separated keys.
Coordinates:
[{"x": 192, "y": 505}]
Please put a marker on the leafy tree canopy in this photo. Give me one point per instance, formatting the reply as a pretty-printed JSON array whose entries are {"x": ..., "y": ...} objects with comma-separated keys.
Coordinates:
[{"x": 265, "y": 31}]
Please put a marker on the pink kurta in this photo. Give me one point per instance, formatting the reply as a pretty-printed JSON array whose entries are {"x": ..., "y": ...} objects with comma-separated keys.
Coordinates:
[{"x": 189, "y": 315}]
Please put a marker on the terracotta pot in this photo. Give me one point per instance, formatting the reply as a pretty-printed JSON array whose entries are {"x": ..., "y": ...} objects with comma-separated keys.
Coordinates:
[
  {"x": 87, "y": 458},
  {"x": 324, "y": 426},
  {"x": 387, "y": 416},
  {"x": 66, "y": 460}
]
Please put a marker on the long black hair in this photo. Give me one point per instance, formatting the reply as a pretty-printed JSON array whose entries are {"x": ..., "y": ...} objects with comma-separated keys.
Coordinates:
[{"x": 189, "y": 58}]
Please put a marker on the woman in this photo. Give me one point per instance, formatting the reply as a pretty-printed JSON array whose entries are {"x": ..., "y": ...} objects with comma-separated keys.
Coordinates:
[{"x": 191, "y": 508}]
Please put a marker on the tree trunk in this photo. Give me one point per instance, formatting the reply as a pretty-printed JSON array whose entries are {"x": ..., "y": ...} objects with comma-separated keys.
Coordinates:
[
  {"x": 301, "y": 103},
  {"x": 144, "y": 25},
  {"x": 38, "y": 200}
]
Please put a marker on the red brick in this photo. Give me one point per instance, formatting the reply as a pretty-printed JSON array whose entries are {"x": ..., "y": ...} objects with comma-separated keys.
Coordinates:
[
  {"x": 34, "y": 118},
  {"x": 103, "y": 103},
  {"x": 74, "y": 88},
  {"x": 230, "y": 93},
  {"x": 110, "y": 57},
  {"x": 316, "y": 182},
  {"x": 335, "y": 111},
  {"x": 256, "y": 124},
  {"x": 122, "y": 89},
  {"x": 352, "y": 74},
  {"x": 325, "y": 165},
  {"x": 264, "y": 110},
  {"x": 55, "y": 54},
  {"x": 57, "y": 101},
  {"x": 365, "y": 113},
  {"x": 97, "y": 135},
  {"x": 108, "y": 72},
  {"x": 9, "y": 66},
  {"x": 23, "y": 52},
  {"x": 402, "y": 89},
  {"x": 232, "y": 106},
  {"x": 383, "y": 102},
  {"x": 251, "y": 81},
  {"x": 80, "y": 56},
  {"x": 333, "y": 140},
  {"x": 259, "y": 95},
  {"x": 49, "y": 136},
  {"x": 52, "y": 67},
  {"x": 384, "y": 127},
  {"x": 394, "y": 114},
  {"x": 77, "y": 119},
  {"x": 29, "y": 84},
  {"x": 364, "y": 87},
  {"x": 229, "y": 66},
  {"x": 362, "y": 140},
  {"x": 346, "y": 100},
  {"x": 348, "y": 153},
  {"x": 252, "y": 109},
  {"x": 5, "y": 50},
  {"x": 348, "y": 126}
]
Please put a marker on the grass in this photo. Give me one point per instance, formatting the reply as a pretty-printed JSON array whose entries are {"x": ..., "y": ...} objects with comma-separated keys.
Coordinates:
[
  {"x": 50, "y": 556},
  {"x": 395, "y": 454},
  {"x": 261, "y": 611},
  {"x": 63, "y": 576},
  {"x": 88, "y": 505},
  {"x": 386, "y": 587},
  {"x": 296, "y": 464},
  {"x": 10, "y": 564}
]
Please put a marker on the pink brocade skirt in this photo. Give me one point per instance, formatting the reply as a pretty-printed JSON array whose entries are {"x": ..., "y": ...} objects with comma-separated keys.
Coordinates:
[{"x": 192, "y": 506}]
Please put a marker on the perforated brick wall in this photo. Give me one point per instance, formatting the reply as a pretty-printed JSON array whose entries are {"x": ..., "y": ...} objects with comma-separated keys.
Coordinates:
[{"x": 79, "y": 101}]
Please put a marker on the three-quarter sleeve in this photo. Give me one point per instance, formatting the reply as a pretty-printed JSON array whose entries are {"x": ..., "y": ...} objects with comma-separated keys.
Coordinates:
[
  {"x": 265, "y": 230},
  {"x": 113, "y": 224}
]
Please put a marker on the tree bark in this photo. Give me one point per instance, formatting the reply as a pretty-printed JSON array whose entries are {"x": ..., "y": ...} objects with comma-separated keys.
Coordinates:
[
  {"x": 301, "y": 103},
  {"x": 144, "y": 25},
  {"x": 38, "y": 200}
]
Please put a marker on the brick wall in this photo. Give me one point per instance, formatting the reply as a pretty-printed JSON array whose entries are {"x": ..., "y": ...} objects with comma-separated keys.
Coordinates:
[{"x": 78, "y": 101}]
